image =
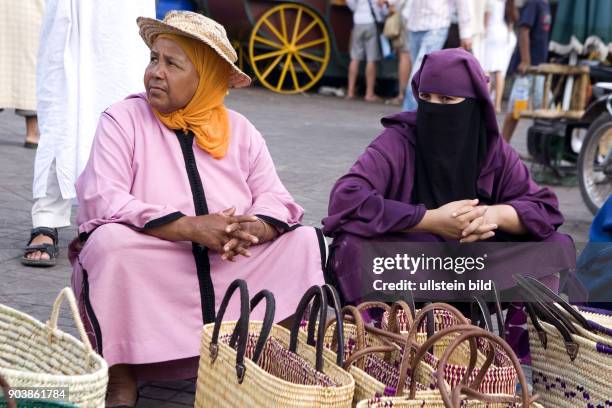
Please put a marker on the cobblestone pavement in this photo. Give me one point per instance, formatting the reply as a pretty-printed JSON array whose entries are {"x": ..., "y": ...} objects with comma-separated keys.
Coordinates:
[{"x": 313, "y": 140}]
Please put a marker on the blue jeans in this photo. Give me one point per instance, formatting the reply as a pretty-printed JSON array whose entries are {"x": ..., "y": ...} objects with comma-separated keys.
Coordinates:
[{"x": 422, "y": 43}]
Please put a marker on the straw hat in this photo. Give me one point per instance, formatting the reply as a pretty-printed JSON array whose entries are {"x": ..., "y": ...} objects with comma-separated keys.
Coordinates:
[{"x": 199, "y": 27}]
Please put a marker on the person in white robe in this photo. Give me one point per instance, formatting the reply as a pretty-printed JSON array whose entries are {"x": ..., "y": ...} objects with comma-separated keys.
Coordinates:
[{"x": 89, "y": 57}]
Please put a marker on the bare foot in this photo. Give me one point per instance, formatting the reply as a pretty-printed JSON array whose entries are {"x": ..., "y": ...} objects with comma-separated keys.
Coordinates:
[
  {"x": 122, "y": 386},
  {"x": 372, "y": 98},
  {"x": 398, "y": 100},
  {"x": 348, "y": 97},
  {"x": 38, "y": 240}
]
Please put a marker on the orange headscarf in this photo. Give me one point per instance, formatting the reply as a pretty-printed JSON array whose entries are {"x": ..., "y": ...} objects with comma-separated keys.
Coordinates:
[{"x": 205, "y": 115}]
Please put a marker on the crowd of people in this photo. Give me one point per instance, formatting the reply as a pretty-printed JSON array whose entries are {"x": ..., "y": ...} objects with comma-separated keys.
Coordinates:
[{"x": 487, "y": 28}]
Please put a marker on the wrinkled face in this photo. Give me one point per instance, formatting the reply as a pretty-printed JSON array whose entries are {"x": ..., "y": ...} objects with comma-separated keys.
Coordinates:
[
  {"x": 439, "y": 98},
  {"x": 170, "y": 78}
]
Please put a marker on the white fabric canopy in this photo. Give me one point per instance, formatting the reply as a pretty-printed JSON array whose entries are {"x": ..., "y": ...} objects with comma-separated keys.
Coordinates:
[{"x": 592, "y": 42}]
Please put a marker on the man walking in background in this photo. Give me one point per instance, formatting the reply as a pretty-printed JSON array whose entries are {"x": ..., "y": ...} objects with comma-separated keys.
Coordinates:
[
  {"x": 365, "y": 44},
  {"x": 532, "y": 49},
  {"x": 428, "y": 23}
]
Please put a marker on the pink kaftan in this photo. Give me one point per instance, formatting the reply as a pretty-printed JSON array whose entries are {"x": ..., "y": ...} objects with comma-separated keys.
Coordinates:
[{"x": 143, "y": 297}]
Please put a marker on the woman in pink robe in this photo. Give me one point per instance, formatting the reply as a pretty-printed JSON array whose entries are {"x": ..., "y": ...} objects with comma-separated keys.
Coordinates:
[{"x": 146, "y": 298}]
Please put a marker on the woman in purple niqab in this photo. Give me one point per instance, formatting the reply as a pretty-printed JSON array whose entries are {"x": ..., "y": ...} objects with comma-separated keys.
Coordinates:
[{"x": 440, "y": 173}]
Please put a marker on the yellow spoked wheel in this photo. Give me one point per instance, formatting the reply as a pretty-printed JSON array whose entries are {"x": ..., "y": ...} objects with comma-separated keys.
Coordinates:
[{"x": 289, "y": 48}]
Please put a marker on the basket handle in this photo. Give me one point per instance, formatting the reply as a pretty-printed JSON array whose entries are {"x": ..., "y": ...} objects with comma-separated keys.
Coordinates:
[
  {"x": 266, "y": 326},
  {"x": 360, "y": 354},
  {"x": 478, "y": 305},
  {"x": 545, "y": 291},
  {"x": 537, "y": 293},
  {"x": 453, "y": 399},
  {"x": 242, "y": 325},
  {"x": 481, "y": 304},
  {"x": 320, "y": 304},
  {"x": 539, "y": 310},
  {"x": 68, "y": 294},
  {"x": 460, "y": 328},
  {"x": 331, "y": 294},
  {"x": 359, "y": 326},
  {"x": 10, "y": 402},
  {"x": 393, "y": 323},
  {"x": 426, "y": 312},
  {"x": 371, "y": 304}
]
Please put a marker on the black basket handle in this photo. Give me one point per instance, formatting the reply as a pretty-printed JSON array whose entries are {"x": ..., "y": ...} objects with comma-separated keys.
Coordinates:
[
  {"x": 331, "y": 294},
  {"x": 485, "y": 312},
  {"x": 545, "y": 291},
  {"x": 548, "y": 313},
  {"x": 357, "y": 320},
  {"x": 242, "y": 325},
  {"x": 266, "y": 326},
  {"x": 315, "y": 292}
]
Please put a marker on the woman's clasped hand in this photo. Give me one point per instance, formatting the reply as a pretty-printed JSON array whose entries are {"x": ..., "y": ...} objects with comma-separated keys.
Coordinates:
[
  {"x": 464, "y": 220},
  {"x": 227, "y": 233}
]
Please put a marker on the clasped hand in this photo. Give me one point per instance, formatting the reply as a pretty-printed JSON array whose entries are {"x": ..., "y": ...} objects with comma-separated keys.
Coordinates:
[
  {"x": 230, "y": 234},
  {"x": 466, "y": 221}
]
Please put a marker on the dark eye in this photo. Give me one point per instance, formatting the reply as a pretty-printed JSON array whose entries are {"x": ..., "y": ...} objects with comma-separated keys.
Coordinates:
[
  {"x": 447, "y": 99},
  {"x": 153, "y": 59},
  {"x": 425, "y": 96}
]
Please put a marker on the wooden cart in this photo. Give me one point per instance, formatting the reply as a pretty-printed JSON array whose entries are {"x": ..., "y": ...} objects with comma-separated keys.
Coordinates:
[{"x": 289, "y": 45}]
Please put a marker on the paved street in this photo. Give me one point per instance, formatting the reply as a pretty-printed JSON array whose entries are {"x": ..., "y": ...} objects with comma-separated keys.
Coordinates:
[{"x": 313, "y": 140}]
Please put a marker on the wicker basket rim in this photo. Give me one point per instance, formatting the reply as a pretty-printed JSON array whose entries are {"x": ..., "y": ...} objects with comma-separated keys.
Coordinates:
[
  {"x": 587, "y": 342},
  {"x": 350, "y": 381},
  {"x": 24, "y": 317}
]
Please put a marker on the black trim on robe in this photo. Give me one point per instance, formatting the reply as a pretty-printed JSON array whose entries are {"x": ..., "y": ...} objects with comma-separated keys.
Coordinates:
[
  {"x": 90, "y": 312},
  {"x": 277, "y": 223},
  {"x": 166, "y": 219},
  {"x": 200, "y": 253},
  {"x": 322, "y": 246}
]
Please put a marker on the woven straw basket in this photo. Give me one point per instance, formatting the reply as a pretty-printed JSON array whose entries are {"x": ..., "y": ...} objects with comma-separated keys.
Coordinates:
[
  {"x": 377, "y": 374},
  {"x": 33, "y": 354},
  {"x": 259, "y": 388},
  {"x": 571, "y": 350},
  {"x": 262, "y": 371},
  {"x": 467, "y": 396},
  {"x": 566, "y": 383},
  {"x": 367, "y": 382}
]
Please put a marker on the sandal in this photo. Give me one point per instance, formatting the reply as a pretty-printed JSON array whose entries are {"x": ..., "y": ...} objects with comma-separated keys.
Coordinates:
[{"x": 50, "y": 249}]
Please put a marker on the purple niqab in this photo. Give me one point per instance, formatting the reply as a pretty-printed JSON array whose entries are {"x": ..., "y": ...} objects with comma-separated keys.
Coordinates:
[{"x": 373, "y": 201}]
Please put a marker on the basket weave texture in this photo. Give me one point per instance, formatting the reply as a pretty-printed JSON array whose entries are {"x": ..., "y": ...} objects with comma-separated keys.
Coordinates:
[
  {"x": 264, "y": 385},
  {"x": 34, "y": 354}
]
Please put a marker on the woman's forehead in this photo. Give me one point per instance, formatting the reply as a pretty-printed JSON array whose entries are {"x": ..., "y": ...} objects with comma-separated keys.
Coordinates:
[{"x": 168, "y": 47}]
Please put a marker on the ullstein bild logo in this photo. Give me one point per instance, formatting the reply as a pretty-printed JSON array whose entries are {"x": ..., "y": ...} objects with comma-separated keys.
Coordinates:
[{"x": 412, "y": 264}]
